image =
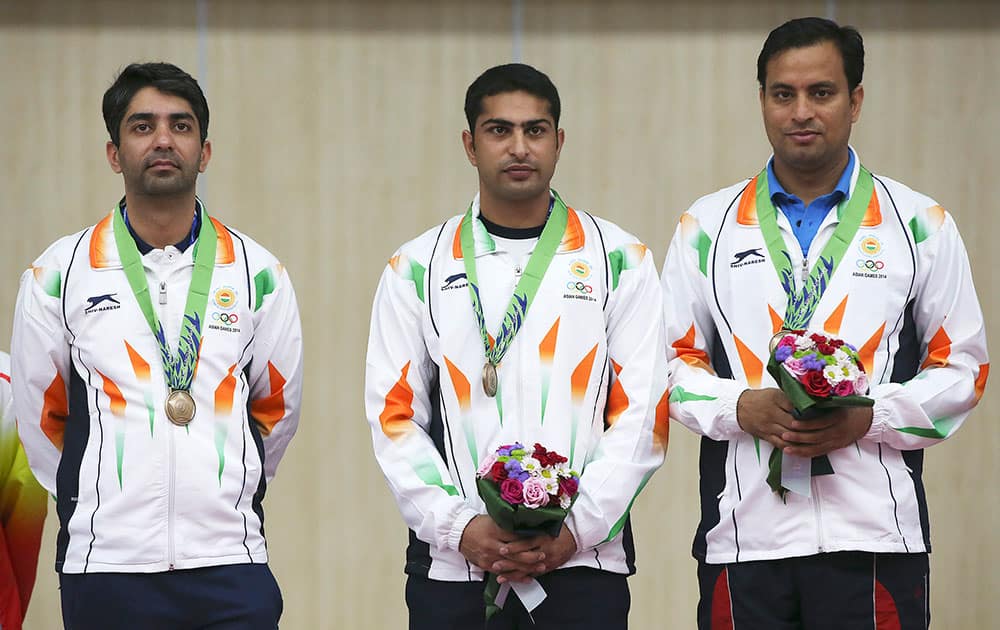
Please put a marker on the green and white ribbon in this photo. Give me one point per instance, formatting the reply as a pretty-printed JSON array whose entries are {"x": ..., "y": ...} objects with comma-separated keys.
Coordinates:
[{"x": 179, "y": 366}]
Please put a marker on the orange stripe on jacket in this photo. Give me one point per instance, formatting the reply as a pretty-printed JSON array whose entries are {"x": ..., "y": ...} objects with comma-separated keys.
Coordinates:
[
  {"x": 689, "y": 354},
  {"x": 270, "y": 410},
  {"x": 55, "y": 409},
  {"x": 938, "y": 350},
  {"x": 617, "y": 398},
  {"x": 397, "y": 414}
]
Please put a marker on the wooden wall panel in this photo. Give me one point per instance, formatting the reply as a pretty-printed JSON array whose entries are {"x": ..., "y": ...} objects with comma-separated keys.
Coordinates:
[{"x": 336, "y": 131}]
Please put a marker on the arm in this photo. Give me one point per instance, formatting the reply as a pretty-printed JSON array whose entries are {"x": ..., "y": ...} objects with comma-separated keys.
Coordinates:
[
  {"x": 399, "y": 377},
  {"x": 276, "y": 367},
  {"x": 931, "y": 406},
  {"x": 40, "y": 365},
  {"x": 22, "y": 506},
  {"x": 635, "y": 440},
  {"x": 699, "y": 399}
]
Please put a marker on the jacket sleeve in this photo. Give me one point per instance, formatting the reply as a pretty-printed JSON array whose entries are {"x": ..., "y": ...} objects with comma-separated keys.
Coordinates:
[
  {"x": 40, "y": 365},
  {"x": 635, "y": 438},
  {"x": 276, "y": 367},
  {"x": 23, "y": 505},
  {"x": 949, "y": 327},
  {"x": 699, "y": 399},
  {"x": 399, "y": 379}
]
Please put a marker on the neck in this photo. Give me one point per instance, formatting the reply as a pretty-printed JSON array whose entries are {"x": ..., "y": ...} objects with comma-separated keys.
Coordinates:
[
  {"x": 527, "y": 213},
  {"x": 160, "y": 221},
  {"x": 808, "y": 184}
]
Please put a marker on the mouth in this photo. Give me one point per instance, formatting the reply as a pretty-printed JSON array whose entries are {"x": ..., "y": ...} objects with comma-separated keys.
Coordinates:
[
  {"x": 803, "y": 136},
  {"x": 162, "y": 164},
  {"x": 519, "y": 171}
]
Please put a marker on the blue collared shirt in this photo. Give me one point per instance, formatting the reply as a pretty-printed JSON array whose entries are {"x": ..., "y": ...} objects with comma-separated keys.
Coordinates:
[
  {"x": 144, "y": 247},
  {"x": 806, "y": 220}
]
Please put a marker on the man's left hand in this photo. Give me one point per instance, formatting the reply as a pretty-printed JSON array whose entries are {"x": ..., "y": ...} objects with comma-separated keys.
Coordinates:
[
  {"x": 828, "y": 432},
  {"x": 556, "y": 552}
]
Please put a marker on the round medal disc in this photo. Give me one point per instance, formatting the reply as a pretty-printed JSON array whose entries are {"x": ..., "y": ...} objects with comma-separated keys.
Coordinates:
[
  {"x": 490, "y": 379},
  {"x": 771, "y": 345},
  {"x": 180, "y": 407}
]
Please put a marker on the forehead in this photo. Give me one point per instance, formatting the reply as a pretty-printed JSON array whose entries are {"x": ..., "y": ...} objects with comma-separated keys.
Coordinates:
[
  {"x": 515, "y": 107},
  {"x": 808, "y": 65},
  {"x": 152, "y": 101}
]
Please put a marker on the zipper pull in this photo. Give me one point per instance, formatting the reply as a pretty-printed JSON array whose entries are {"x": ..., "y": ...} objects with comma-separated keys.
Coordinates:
[
  {"x": 805, "y": 270},
  {"x": 163, "y": 292}
]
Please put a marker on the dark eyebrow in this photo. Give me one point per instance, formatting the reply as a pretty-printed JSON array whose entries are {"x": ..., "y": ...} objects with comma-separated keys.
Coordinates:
[
  {"x": 149, "y": 116},
  {"x": 525, "y": 125}
]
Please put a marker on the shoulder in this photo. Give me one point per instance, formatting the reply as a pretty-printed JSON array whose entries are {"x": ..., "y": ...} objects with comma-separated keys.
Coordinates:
[
  {"x": 441, "y": 237},
  {"x": 714, "y": 205}
]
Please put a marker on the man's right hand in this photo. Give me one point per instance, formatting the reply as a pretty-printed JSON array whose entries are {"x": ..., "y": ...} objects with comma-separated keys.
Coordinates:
[
  {"x": 497, "y": 551},
  {"x": 766, "y": 413}
]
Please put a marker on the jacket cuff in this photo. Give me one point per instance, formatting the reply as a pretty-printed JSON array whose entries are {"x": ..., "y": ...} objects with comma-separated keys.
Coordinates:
[
  {"x": 458, "y": 527},
  {"x": 880, "y": 421}
]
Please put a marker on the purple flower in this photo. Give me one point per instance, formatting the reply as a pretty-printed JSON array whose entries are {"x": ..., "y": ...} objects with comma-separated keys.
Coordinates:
[
  {"x": 514, "y": 470},
  {"x": 782, "y": 353},
  {"x": 505, "y": 450}
]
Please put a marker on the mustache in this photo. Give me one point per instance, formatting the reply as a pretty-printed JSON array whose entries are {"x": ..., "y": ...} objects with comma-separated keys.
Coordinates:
[{"x": 160, "y": 157}]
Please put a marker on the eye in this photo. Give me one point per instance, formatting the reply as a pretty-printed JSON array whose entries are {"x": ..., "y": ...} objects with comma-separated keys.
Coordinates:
[
  {"x": 536, "y": 130},
  {"x": 782, "y": 95},
  {"x": 822, "y": 93},
  {"x": 141, "y": 127},
  {"x": 498, "y": 130},
  {"x": 182, "y": 126}
]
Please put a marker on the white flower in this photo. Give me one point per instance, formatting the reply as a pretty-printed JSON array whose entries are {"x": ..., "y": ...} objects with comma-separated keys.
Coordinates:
[
  {"x": 551, "y": 484},
  {"x": 565, "y": 501},
  {"x": 531, "y": 465}
]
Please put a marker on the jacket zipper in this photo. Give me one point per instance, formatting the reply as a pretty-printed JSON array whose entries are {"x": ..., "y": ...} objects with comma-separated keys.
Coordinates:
[
  {"x": 170, "y": 502},
  {"x": 819, "y": 516}
]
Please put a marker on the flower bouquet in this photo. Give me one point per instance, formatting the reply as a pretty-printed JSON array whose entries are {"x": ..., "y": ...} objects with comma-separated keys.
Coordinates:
[
  {"x": 527, "y": 491},
  {"x": 817, "y": 373}
]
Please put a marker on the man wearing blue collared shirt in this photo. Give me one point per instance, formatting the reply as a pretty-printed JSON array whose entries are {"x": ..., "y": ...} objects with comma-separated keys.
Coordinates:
[{"x": 806, "y": 218}]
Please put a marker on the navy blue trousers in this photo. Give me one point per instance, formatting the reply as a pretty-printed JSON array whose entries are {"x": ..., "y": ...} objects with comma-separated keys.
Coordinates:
[
  {"x": 829, "y": 591},
  {"x": 231, "y": 597},
  {"x": 577, "y": 598}
]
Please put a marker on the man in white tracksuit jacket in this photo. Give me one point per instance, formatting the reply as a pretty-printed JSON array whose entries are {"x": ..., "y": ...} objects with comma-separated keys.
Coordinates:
[
  {"x": 583, "y": 376},
  {"x": 157, "y": 360},
  {"x": 852, "y": 551}
]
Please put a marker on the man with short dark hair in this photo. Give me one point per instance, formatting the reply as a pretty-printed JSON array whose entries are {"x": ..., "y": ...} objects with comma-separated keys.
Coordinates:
[
  {"x": 522, "y": 320},
  {"x": 817, "y": 238},
  {"x": 157, "y": 363}
]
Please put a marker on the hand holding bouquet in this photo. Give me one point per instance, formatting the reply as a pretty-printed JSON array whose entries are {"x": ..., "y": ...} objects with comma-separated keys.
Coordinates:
[
  {"x": 527, "y": 491},
  {"x": 817, "y": 373}
]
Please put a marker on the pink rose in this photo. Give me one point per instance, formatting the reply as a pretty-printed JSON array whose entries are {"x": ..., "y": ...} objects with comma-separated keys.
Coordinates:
[
  {"x": 861, "y": 384},
  {"x": 535, "y": 495},
  {"x": 486, "y": 465},
  {"x": 795, "y": 367},
  {"x": 843, "y": 388},
  {"x": 511, "y": 491}
]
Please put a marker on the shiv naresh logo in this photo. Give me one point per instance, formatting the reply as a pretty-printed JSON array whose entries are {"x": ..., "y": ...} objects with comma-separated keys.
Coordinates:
[
  {"x": 455, "y": 281},
  {"x": 108, "y": 300},
  {"x": 747, "y": 257}
]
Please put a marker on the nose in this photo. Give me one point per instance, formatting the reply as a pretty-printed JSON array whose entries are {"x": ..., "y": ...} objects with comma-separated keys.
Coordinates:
[
  {"x": 802, "y": 109},
  {"x": 518, "y": 144},
  {"x": 164, "y": 138}
]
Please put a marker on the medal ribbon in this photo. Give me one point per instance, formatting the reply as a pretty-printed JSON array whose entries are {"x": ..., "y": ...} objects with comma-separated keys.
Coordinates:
[
  {"x": 802, "y": 304},
  {"x": 527, "y": 286},
  {"x": 177, "y": 367}
]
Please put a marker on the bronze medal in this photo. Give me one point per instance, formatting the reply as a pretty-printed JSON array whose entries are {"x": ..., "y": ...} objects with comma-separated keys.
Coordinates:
[
  {"x": 490, "y": 379},
  {"x": 180, "y": 407},
  {"x": 771, "y": 345}
]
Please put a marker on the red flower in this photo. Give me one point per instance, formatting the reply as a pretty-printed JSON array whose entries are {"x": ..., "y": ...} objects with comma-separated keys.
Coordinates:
[
  {"x": 818, "y": 338},
  {"x": 569, "y": 486},
  {"x": 512, "y": 491},
  {"x": 547, "y": 458},
  {"x": 816, "y": 384},
  {"x": 837, "y": 343},
  {"x": 498, "y": 473},
  {"x": 826, "y": 348}
]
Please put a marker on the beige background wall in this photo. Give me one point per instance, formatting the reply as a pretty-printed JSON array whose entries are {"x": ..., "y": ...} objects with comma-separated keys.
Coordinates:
[{"x": 336, "y": 137}]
